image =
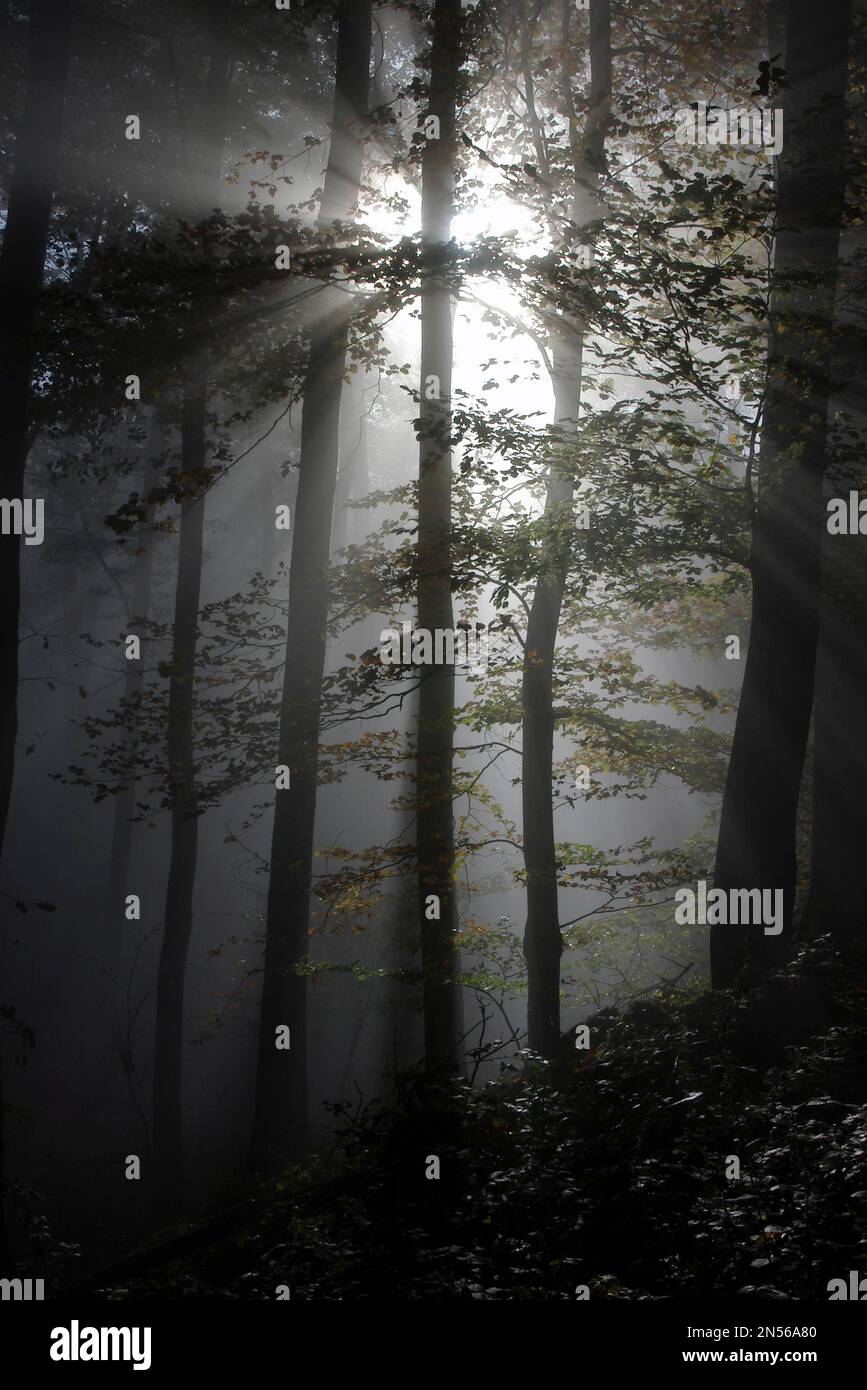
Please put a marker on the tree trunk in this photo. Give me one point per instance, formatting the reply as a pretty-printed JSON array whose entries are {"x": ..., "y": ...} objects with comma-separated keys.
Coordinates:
[
  {"x": 5, "y": 1247},
  {"x": 280, "y": 1120},
  {"x": 22, "y": 262},
  {"x": 759, "y": 815},
  {"x": 542, "y": 940},
  {"x": 124, "y": 803},
  {"x": 435, "y": 748},
  {"x": 837, "y": 900},
  {"x": 168, "y": 1043},
  {"x": 351, "y": 478},
  {"x": 169, "y": 1023}
]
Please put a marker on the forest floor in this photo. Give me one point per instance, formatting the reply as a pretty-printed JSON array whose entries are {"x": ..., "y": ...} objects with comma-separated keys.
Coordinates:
[{"x": 608, "y": 1170}]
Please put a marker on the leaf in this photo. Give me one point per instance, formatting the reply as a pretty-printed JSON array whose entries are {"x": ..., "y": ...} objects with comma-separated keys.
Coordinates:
[{"x": 684, "y": 1100}]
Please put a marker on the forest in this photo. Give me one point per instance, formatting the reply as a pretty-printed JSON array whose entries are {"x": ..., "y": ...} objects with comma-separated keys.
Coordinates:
[{"x": 433, "y": 650}]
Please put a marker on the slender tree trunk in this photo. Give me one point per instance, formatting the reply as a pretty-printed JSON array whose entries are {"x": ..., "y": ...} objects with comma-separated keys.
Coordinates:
[
  {"x": 272, "y": 489},
  {"x": 22, "y": 262},
  {"x": 169, "y": 1023},
  {"x": 280, "y": 1120},
  {"x": 759, "y": 815},
  {"x": 542, "y": 940},
  {"x": 168, "y": 1043},
  {"x": 352, "y": 477},
  {"x": 124, "y": 802},
  {"x": 435, "y": 748}
]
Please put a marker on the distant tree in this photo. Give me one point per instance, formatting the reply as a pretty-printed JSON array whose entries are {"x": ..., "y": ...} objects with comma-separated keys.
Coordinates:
[
  {"x": 205, "y": 152},
  {"x": 120, "y": 854}
]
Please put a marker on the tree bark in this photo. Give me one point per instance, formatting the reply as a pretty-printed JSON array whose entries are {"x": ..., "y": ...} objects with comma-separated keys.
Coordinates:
[
  {"x": 352, "y": 476},
  {"x": 280, "y": 1120},
  {"x": 837, "y": 898},
  {"x": 5, "y": 1246},
  {"x": 206, "y": 149},
  {"x": 435, "y": 746},
  {"x": 837, "y": 901},
  {"x": 756, "y": 846},
  {"x": 124, "y": 803},
  {"x": 22, "y": 263},
  {"x": 542, "y": 940},
  {"x": 169, "y": 1024}
]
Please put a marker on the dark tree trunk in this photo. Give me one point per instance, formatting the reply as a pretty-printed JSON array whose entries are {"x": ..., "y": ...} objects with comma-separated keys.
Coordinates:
[
  {"x": 205, "y": 154},
  {"x": 435, "y": 749},
  {"x": 22, "y": 262},
  {"x": 5, "y": 1250},
  {"x": 759, "y": 816},
  {"x": 280, "y": 1121},
  {"x": 168, "y": 1041},
  {"x": 837, "y": 900},
  {"x": 124, "y": 802},
  {"x": 542, "y": 939}
]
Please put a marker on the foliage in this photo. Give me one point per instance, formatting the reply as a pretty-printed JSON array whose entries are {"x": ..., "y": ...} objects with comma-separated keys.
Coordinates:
[{"x": 605, "y": 1169}]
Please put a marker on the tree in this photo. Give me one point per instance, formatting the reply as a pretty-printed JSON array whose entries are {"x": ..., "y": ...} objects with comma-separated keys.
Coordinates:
[
  {"x": 120, "y": 856},
  {"x": 542, "y": 939},
  {"x": 22, "y": 266},
  {"x": 280, "y": 1121},
  {"x": 435, "y": 756},
  {"x": 836, "y": 900},
  {"x": 22, "y": 263},
  {"x": 759, "y": 816},
  {"x": 205, "y": 154}
]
